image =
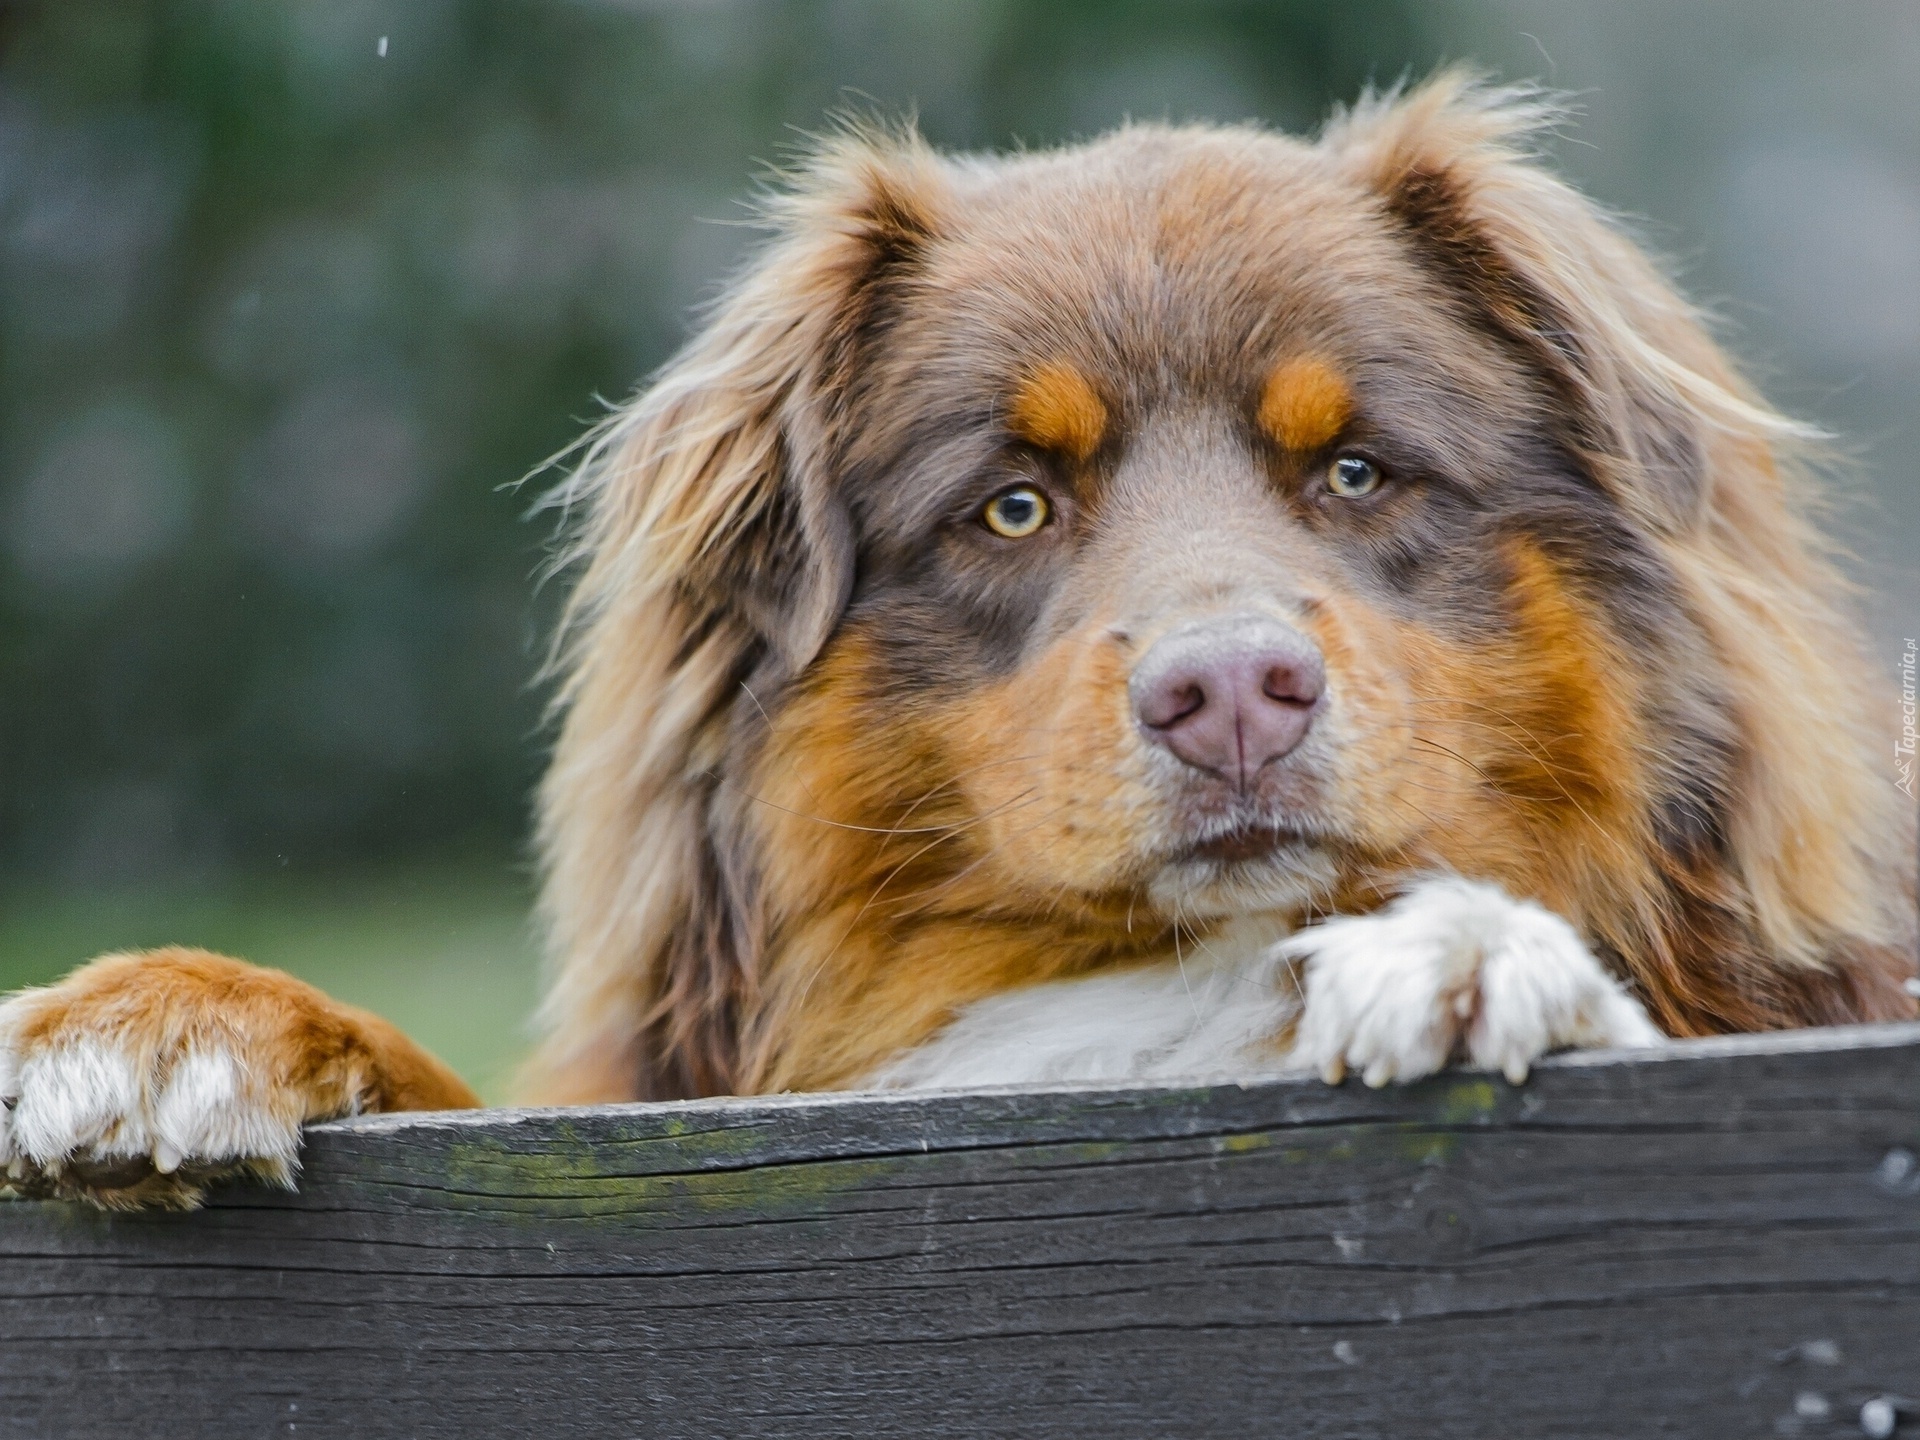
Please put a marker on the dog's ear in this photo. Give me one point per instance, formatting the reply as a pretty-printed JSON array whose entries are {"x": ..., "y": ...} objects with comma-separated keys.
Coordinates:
[
  {"x": 714, "y": 554},
  {"x": 1819, "y": 865},
  {"x": 717, "y": 479},
  {"x": 1642, "y": 396}
]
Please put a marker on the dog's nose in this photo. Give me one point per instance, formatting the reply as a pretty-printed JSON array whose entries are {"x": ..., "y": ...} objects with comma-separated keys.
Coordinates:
[{"x": 1229, "y": 695}]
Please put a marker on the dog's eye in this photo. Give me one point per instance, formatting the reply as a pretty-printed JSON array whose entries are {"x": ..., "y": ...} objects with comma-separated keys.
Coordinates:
[
  {"x": 1351, "y": 477},
  {"x": 1016, "y": 513}
]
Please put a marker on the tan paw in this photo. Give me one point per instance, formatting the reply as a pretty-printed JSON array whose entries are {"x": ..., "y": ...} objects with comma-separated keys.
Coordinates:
[{"x": 141, "y": 1077}]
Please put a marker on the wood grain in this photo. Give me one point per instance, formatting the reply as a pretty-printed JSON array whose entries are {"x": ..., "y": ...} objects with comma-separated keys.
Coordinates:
[{"x": 1721, "y": 1241}]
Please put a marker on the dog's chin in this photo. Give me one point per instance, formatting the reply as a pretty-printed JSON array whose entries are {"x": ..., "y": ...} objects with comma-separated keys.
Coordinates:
[{"x": 1245, "y": 870}]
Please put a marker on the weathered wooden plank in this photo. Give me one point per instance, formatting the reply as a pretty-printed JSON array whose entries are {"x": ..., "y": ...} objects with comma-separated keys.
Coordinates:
[{"x": 1718, "y": 1242}]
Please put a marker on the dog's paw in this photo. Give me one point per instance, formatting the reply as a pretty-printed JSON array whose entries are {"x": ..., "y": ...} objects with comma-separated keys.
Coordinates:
[
  {"x": 140, "y": 1078},
  {"x": 1453, "y": 967}
]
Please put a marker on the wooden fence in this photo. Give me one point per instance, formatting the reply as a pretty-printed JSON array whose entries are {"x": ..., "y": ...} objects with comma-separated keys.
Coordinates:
[{"x": 1724, "y": 1241}]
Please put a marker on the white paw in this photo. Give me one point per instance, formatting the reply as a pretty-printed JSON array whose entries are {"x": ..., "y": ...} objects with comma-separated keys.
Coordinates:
[
  {"x": 78, "y": 1097},
  {"x": 1453, "y": 965}
]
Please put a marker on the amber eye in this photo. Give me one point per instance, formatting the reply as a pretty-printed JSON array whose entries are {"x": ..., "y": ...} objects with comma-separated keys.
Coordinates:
[
  {"x": 1350, "y": 477},
  {"x": 1016, "y": 513}
]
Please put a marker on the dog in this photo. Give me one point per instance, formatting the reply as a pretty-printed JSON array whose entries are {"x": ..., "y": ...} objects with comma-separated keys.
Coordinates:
[{"x": 1197, "y": 603}]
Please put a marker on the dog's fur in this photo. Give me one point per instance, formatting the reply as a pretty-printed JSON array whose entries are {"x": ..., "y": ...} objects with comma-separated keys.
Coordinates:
[
  {"x": 848, "y": 785},
  {"x": 833, "y": 768}
]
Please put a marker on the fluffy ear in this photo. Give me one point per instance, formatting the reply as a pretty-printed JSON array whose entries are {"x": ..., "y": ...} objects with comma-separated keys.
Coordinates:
[
  {"x": 715, "y": 559},
  {"x": 1812, "y": 911},
  {"x": 1646, "y": 396}
]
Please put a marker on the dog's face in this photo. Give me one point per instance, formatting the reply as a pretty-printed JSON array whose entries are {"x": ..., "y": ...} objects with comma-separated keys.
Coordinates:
[{"x": 1209, "y": 554}]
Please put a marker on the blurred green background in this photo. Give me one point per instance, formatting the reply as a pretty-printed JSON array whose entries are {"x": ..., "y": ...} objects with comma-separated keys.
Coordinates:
[{"x": 292, "y": 291}]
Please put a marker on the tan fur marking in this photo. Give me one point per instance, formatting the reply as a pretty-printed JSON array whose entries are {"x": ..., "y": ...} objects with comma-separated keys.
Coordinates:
[
  {"x": 1056, "y": 408},
  {"x": 919, "y": 858},
  {"x": 1537, "y": 743},
  {"x": 1305, "y": 404}
]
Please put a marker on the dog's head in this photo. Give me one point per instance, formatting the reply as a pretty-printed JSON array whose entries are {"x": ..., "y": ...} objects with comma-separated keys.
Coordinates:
[{"x": 1036, "y": 561}]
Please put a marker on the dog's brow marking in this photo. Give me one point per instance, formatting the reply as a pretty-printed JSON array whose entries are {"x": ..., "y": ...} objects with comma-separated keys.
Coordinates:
[
  {"x": 1056, "y": 408},
  {"x": 1305, "y": 404}
]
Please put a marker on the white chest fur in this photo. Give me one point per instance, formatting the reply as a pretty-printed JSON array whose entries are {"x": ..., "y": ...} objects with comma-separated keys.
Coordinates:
[{"x": 1451, "y": 966}]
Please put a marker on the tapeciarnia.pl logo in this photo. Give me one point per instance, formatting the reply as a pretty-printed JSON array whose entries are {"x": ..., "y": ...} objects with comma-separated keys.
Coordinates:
[{"x": 1903, "y": 748}]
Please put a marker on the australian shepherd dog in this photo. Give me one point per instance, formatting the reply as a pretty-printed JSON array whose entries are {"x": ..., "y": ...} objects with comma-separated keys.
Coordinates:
[{"x": 1197, "y": 603}]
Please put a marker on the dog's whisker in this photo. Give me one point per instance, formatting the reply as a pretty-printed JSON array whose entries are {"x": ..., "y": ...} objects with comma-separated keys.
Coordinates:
[
  {"x": 871, "y": 899},
  {"x": 885, "y": 830},
  {"x": 1596, "y": 828}
]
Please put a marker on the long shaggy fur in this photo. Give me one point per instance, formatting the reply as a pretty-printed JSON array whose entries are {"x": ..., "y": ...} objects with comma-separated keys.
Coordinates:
[
  {"x": 1753, "y": 870},
  {"x": 709, "y": 563}
]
